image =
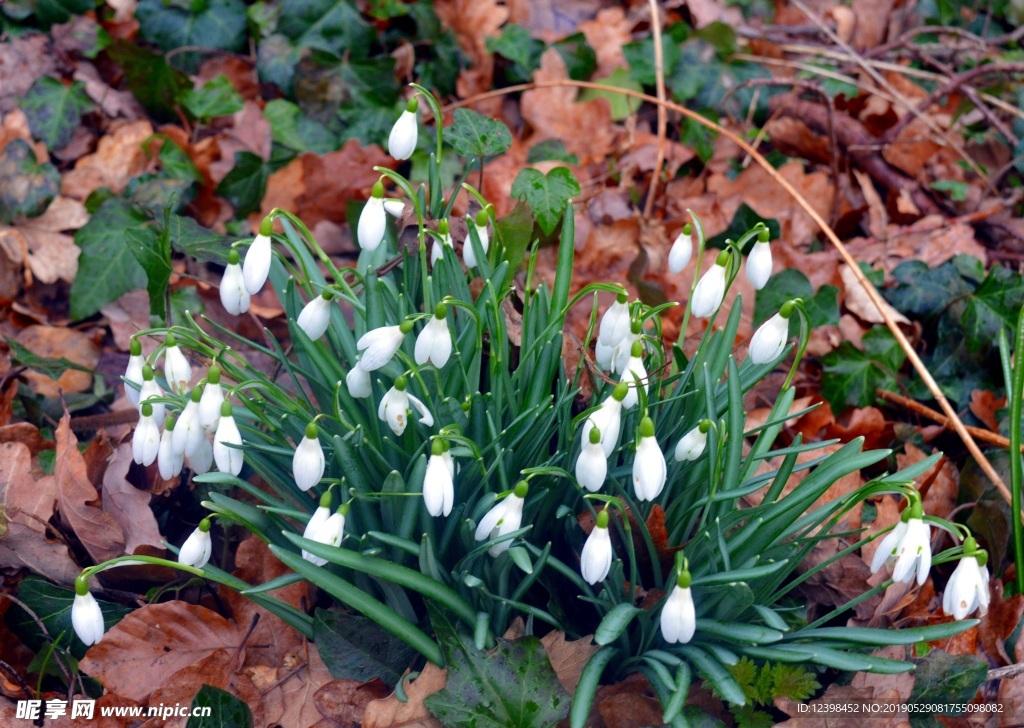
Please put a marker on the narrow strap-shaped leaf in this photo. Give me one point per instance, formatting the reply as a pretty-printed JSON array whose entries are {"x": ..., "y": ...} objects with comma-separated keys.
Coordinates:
[
  {"x": 614, "y": 623},
  {"x": 586, "y": 688}
]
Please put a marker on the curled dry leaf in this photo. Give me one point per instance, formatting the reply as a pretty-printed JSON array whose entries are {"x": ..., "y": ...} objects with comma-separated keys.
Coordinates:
[
  {"x": 118, "y": 158},
  {"x": 607, "y": 34},
  {"x": 41, "y": 243},
  {"x": 345, "y": 701},
  {"x": 856, "y": 299},
  {"x": 55, "y": 342},
  {"x": 129, "y": 505},
  {"x": 390, "y": 711},
  {"x": 568, "y": 658}
]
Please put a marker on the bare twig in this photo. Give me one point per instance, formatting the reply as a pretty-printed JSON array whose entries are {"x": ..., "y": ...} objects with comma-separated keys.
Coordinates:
[
  {"x": 659, "y": 76},
  {"x": 999, "y": 673}
]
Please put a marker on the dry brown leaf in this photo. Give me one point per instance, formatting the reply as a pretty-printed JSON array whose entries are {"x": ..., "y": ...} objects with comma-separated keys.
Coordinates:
[
  {"x": 118, "y": 158},
  {"x": 112, "y": 102},
  {"x": 216, "y": 669},
  {"x": 568, "y": 658},
  {"x": 23, "y": 59},
  {"x": 98, "y": 531},
  {"x": 855, "y": 298},
  {"x": 27, "y": 434},
  {"x": 844, "y": 695},
  {"x": 607, "y": 34},
  {"x": 413, "y": 713},
  {"x": 126, "y": 317},
  {"x": 984, "y": 405},
  {"x": 289, "y": 703},
  {"x": 55, "y": 342},
  {"x": 345, "y": 701},
  {"x": 129, "y": 505},
  {"x": 41, "y": 243},
  {"x": 902, "y": 683},
  {"x": 473, "y": 21},
  {"x": 932, "y": 240}
]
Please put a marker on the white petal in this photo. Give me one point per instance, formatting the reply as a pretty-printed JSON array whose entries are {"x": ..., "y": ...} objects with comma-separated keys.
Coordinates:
[
  {"x": 177, "y": 370},
  {"x": 425, "y": 417},
  {"x": 209, "y": 407},
  {"x": 315, "y": 317},
  {"x": 710, "y": 291},
  {"x": 438, "y": 489},
  {"x": 134, "y": 374},
  {"x": 380, "y": 346},
  {"x": 373, "y": 223},
  {"x": 233, "y": 294},
  {"x": 691, "y": 445},
  {"x": 402, "y": 141},
  {"x": 592, "y": 467},
  {"x": 490, "y": 520},
  {"x": 169, "y": 460},
  {"x": 201, "y": 460},
  {"x": 886, "y": 550},
  {"x": 596, "y": 558},
  {"x": 256, "y": 266},
  {"x": 392, "y": 409},
  {"x": 149, "y": 390},
  {"x": 769, "y": 340},
  {"x": 678, "y": 619},
  {"x": 358, "y": 382},
  {"x": 196, "y": 550},
  {"x": 146, "y": 441},
  {"x": 680, "y": 254},
  {"x": 228, "y": 459},
  {"x": 649, "y": 469},
  {"x": 395, "y": 208},
  {"x": 308, "y": 463},
  {"x": 87, "y": 618},
  {"x": 759, "y": 265}
]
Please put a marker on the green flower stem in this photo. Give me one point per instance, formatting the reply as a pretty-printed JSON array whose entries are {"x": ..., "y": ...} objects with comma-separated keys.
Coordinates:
[
  {"x": 1015, "y": 390},
  {"x": 805, "y": 339},
  {"x": 435, "y": 109},
  {"x": 315, "y": 248}
]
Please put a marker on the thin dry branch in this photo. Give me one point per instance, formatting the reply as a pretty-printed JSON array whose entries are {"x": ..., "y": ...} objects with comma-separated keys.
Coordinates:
[
  {"x": 659, "y": 75},
  {"x": 993, "y": 438}
]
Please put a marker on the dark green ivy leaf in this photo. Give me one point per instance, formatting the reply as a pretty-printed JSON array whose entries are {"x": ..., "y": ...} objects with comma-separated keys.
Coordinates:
[
  {"x": 942, "y": 678},
  {"x": 246, "y": 183},
  {"x": 226, "y": 710},
  {"x": 334, "y": 26},
  {"x": 546, "y": 194},
  {"x": 292, "y": 129},
  {"x": 22, "y": 356},
  {"x": 54, "y": 110},
  {"x": 216, "y": 98},
  {"x": 822, "y": 306},
  {"x": 356, "y": 648},
  {"x": 172, "y": 24},
  {"x": 852, "y": 375},
  {"x": 476, "y": 135},
  {"x": 150, "y": 78},
  {"x": 26, "y": 187},
  {"x": 744, "y": 219},
  {"x": 152, "y": 249}
]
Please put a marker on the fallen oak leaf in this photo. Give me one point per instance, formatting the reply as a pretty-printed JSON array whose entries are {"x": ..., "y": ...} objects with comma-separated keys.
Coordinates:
[
  {"x": 412, "y": 713},
  {"x": 129, "y": 505},
  {"x": 568, "y": 658}
]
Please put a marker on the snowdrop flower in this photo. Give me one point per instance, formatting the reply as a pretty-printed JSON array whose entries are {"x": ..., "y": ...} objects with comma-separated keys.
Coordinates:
[
  {"x": 209, "y": 404},
  {"x": 234, "y": 296},
  {"x": 177, "y": 370},
  {"x": 395, "y": 208},
  {"x": 759, "y": 262},
  {"x": 710, "y": 290},
  {"x": 678, "y": 618},
  {"x": 438, "y": 488},
  {"x": 449, "y": 461},
  {"x": 503, "y": 518},
  {"x": 202, "y": 459},
  {"x": 444, "y": 241},
  {"x": 633, "y": 371},
  {"x": 228, "y": 458},
  {"x": 86, "y": 616},
  {"x": 596, "y": 557},
  {"x": 169, "y": 460},
  {"x": 308, "y": 462},
  {"x": 379, "y": 346},
  {"x": 967, "y": 589},
  {"x": 622, "y": 350},
  {"x": 256, "y": 267},
  {"x": 402, "y": 142},
  {"x": 592, "y": 464},
  {"x": 649, "y": 470},
  {"x": 198, "y": 547},
  {"x": 607, "y": 419},
  {"x": 315, "y": 316},
  {"x": 358, "y": 382},
  {"x": 907, "y": 548},
  {"x": 434, "y": 342},
  {"x": 769, "y": 340},
  {"x": 614, "y": 327},
  {"x": 134, "y": 372},
  {"x": 480, "y": 224},
  {"x": 691, "y": 445},
  {"x": 329, "y": 533},
  {"x": 149, "y": 390},
  {"x": 316, "y": 521},
  {"x": 394, "y": 405},
  {"x": 682, "y": 250},
  {"x": 146, "y": 440},
  {"x": 373, "y": 220},
  {"x": 187, "y": 431}
]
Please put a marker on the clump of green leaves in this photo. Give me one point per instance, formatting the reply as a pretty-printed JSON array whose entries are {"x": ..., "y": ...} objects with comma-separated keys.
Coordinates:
[{"x": 762, "y": 683}]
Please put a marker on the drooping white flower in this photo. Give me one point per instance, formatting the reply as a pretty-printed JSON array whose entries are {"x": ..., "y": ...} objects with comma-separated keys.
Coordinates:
[
  {"x": 907, "y": 548},
  {"x": 202, "y": 459},
  {"x": 234, "y": 296},
  {"x": 308, "y": 462},
  {"x": 649, "y": 469},
  {"x": 212, "y": 399},
  {"x": 622, "y": 350},
  {"x": 678, "y": 616},
  {"x": 596, "y": 557},
  {"x": 402, "y": 141},
  {"x": 634, "y": 371},
  {"x": 358, "y": 382},
  {"x": 169, "y": 460},
  {"x": 710, "y": 290},
  {"x": 86, "y": 615},
  {"x": 592, "y": 464},
  {"x": 502, "y": 519},
  {"x": 315, "y": 316},
  {"x": 438, "y": 488},
  {"x": 188, "y": 432},
  {"x": 759, "y": 263},
  {"x": 373, "y": 221},
  {"x": 439, "y": 245},
  {"x": 480, "y": 225},
  {"x": 329, "y": 533},
  {"x": 434, "y": 342},
  {"x": 607, "y": 419},
  {"x": 449, "y": 461},
  {"x": 316, "y": 521},
  {"x": 229, "y": 459},
  {"x": 614, "y": 327},
  {"x": 133, "y": 373},
  {"x": 394, "y": 405},
  {"x": 769, "y": 340},
  {"x": 691, "y": 445},
  {"x": 177, "y": 370},
  {"x": 682, "y": 250},
  {"x": 198, "y": 547},
  {"x": 395, "y": 208},
  {"x": 258, "y": 257},
  {"x": 380, "y": 345},
  {"x": 149, "y": 392},
  {"x": 967, "y": 589},
  {"x": 146, "y": 440}
]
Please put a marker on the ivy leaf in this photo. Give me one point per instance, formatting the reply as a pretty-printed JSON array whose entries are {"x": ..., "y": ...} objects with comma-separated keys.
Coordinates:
[
  {"x": 992, "y": 306},
  {"x": 204, "y": 23},
  {"x": 476, "y": 135},
  {"x": 822, "y": 307},
  {"x": 520, "y": 49},
  {"x": 550, "y": 150},
  {"x": 579, "y": 57},
  {"x": 52, "y": 368},
  {"x": 189, "y": 237},
  {"x": 333, "y": 26},
  {"x": 54, "y": 110},
  {"x": 852, "y": 375},
  {"x": 226, "y": 710},
  {"x": 51, "y": 12},
  {"x": 216, "y": 98},
  {"x": 514, "y": 233},
  {"x": 26, "y": 187},
  {"x": 174, "y": 160},
  {"x": 150, "y": 78},
  {"x": 621, "y": 105},
  {"x": 152, "y": 249},
  {"x": 246, "y": 183},
  {"x": 924, "y": 292},
  {"x": 744, "y": 219},
  {"x": 356, "y": 648},
  {"x": 546, "y": 194},
  {"x": 942, "y": 678},
  {"x": 294, "y": 130}
]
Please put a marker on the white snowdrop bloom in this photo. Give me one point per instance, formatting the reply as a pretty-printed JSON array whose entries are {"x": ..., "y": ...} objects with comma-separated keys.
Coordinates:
[
  {"x": 358, "y": 382},
  {"x": 967, "y": 589},
  {"x": 234, "y": 296},
  {"x": 256, "y": 267},
  {"x": 316, "y": 521},
  {"x": 439, "y": 245},
  {"x": 449, "y": 461},
  {"x": 623, "y": 349},
  {"x": 649, "y": 469},
  {"x": 229, "y": 459},
  {"x": 710, "y": 290},
  {"x": 210, "y": 402},
  {"x": 380, "y": 345},
  {"x": 681, "y": 251},
  {"x": 373, "y": 220},
  {"x": 885, "y": 554},
  {"x": 133, "y": 373},
  {"x": 592, "y": 464},
  {"x": 691, "y": 445},
  {"x": 395, "y": 208},
  {"x": 402, "y": 141},
  {"x": 607, "y": 419},
  {"x": 914, "y": 553},
  {"x": 202, "y": 459},
  {"x": 480, "y": 225},
  {"x": 438, "y": 488},
  {"x": 187, "y": 431},
  {"x": 86, "y": 615},
  {"x": 149, "y": 391},
  {"x": 198, "y": 547},
  {"x": 596, "y": 557},
  {"x": 678, "y": 617},
  {"x": 614, "y": 327},
  {"x": 759, "y": 263},
  {"x": 395, "y": 404},
  {"x": 168, "y": 460},
  {"x": 146, "y": 440},
  {"x": 177, "y": 370},
  {"x": 308, "y": 462},
  {"x": 769, "y": 340},
  {"x": 502, "y": 519},
  {"x": 633, "y": 371},
  {"x": 434, "y": 342},
  {"x": 315, "y": 316},
  {"x": 330, "y": 533}
]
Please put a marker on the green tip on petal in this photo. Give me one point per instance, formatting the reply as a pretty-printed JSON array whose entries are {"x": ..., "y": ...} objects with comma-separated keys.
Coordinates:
[
  {"x": 762, "y": 237},
  {"x": 213, "y": 375},
  {"x": 687, "y": 228},
  {"x": 312, "y": 431},
  {"x": 197, "y": 394},
  {"x": 646, "y": 427},
  {"x": 405, "y": 327},
  {"x": 620, "y": 391},
  {"x": 787, "y": 309},
  {"x": 704, "y": 426},
  {"x": 637, "y": 349},
  {"x": 135, "y": 347},
  {"x": 171, "y": 340},
  {"x": 233, "y": 257},
  {"x": 481, "y": 218},
  {"x": 225, "y": 408},
  {"x": 327, "y": 294},
  {"x": 440, "y": 311},
  {"x": 723, "y": 258},
  {"x": 147, "y": 409},
  {"x": 267, "y": 226},
  {"x": 521, "y": 489},
  {"x": 413, "y": 105},
  {"x": 621, "y": 296},
  {"x": 401, "y": 383},
  {"x": 437, "y": 447},
  {"x": 204, "y": 525},
  {"x": 170, "y": 422},
  {"x": 377, "y": 190},
  {"x": 325, "y": 500},
  {"x": 147, "y": 372},
  {"x": 595, "y": 436},
  {"x": 602, "y": 518},
  {"x": 81, "y": 585},
  {"x": 442, "y": 227}
]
